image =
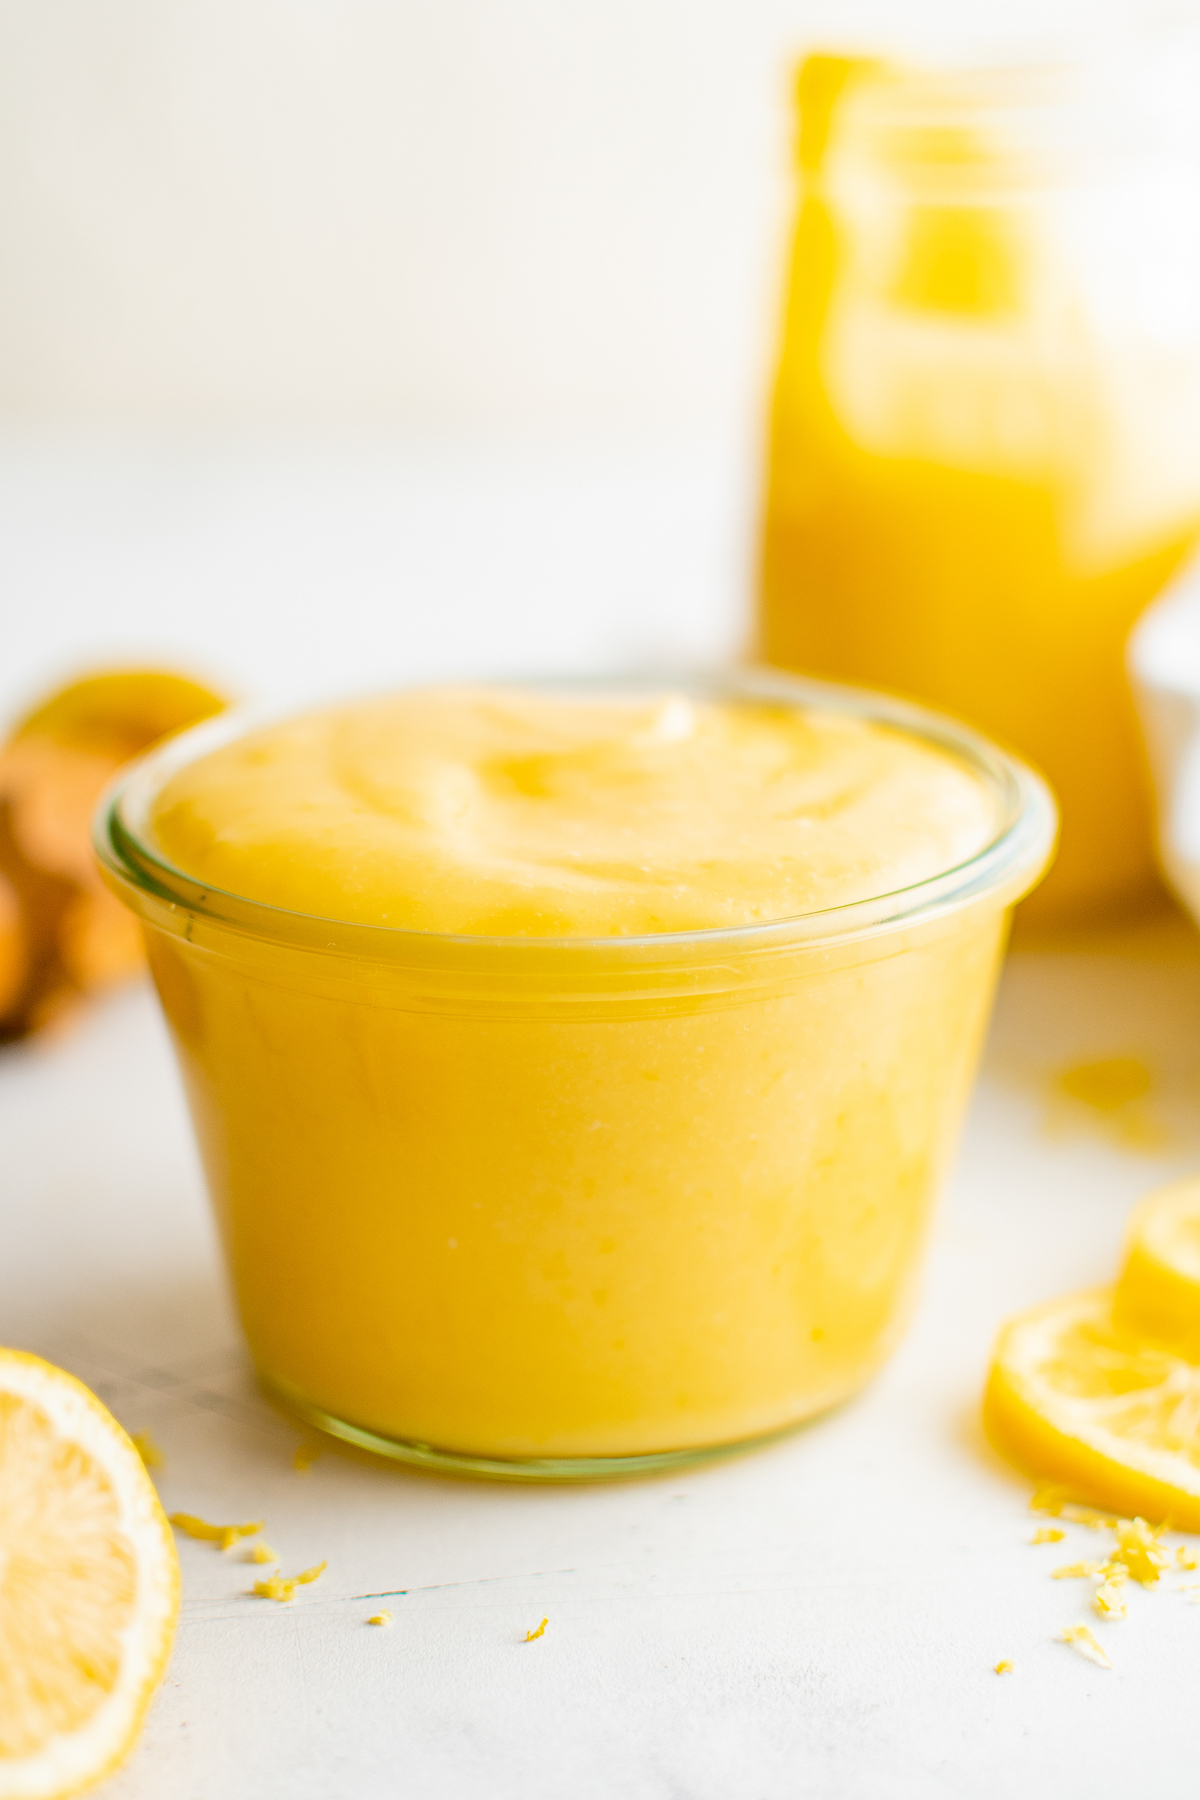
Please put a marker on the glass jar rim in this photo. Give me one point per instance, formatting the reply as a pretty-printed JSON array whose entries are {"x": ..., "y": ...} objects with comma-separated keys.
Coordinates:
[{"x": 1001, "y": 870}]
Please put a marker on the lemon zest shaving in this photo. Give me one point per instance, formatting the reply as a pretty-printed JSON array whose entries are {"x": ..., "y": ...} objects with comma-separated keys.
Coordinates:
[
  {"x": 530, "y": 1635},
  {"x": 1004, "y": 1667},
  {"x": 263, "y": 1553},
  {"x": 283, "y": 1587},
  {"x": 306, "y": 1455},
  {"x": 224, "y": 1535},
  {"x": 1081, "y": 1639},
  {"x": 383, "y": 1618},
  {"x": 152, "y": 1457},
  {"x": 1139, "y": 1550},
  {"x": 1084, "y": 1515},
  {"x": 276, "y": 1587},
  {"x": 1076, "y": 1571},
  {"x": 1047, "y": 1534},
  {"x": 1109, "y": 1600},
  {"x": 1056, "y": 1500},
  {"x": 1186, "y": 1557}
]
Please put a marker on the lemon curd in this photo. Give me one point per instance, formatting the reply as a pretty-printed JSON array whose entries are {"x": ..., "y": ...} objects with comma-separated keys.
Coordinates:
[
  {"x": 574, "y": 1068},
  {"x": 984, "y": 444},
  {"x": 516, "y": 815}
]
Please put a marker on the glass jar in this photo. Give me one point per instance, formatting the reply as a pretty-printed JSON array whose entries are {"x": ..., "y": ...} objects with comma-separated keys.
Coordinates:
[
  {"x": 576, "y": 1207},
  {"x": 985, "y": 443}
]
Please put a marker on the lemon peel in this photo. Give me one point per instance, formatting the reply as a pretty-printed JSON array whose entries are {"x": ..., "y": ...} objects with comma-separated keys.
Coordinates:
[
  {"x": 1139, "y": 1551},
  {"x": 224, "y": 1535},
  {"x": 143, "y": 1442},
  {"x": 1082, "y": 1640},
  {"x": 1109, "y": 1599},
  {"x": 1053, "y": 1498},
  {"x": 530, "y": 1635},
  {"x": 283, "y": 1587}
]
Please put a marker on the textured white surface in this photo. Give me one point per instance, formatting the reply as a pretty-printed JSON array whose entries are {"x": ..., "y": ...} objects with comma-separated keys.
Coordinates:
[{"x": 820, "y": 1618}]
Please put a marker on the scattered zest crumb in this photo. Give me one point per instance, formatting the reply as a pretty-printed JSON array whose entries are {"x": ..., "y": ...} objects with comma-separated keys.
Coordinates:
[
  {"x": 1139, "y": 1550},
  {"x": 224, "y": 1535},
  {"x": 1138, "y": 1554},
  {"x": 1081, "y": 1639},
  {"x": 152, "y": 1456},
  {"x": 1109, "y": 1600},
  {"x": 1004, "y": 1667},
  {"x": 283, "y": 1587},
  {"x": 383, "y": 1618},
  {"x": 276, "y": 1587},
  {"x": 530, "y": 1635},
  {"x": 1083, "y": 1515},
  {"x": 263, "y": 1553},
  {"x": 1054, "y": 1500},
  {"x": 306, "y": 1455}
]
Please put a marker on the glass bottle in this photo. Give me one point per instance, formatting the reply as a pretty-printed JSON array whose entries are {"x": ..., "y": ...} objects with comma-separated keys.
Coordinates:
[{"x": 985, "y": 439}]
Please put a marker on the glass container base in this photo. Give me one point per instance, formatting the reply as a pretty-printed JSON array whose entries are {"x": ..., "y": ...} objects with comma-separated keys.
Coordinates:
[{"x": 437, "y": 1461}]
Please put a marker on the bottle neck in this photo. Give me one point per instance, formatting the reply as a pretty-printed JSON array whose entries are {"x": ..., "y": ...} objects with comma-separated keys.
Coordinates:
[{"x": 970, "y": 136}]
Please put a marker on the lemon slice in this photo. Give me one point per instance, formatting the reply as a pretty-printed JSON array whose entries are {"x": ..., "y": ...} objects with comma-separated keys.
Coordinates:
[
  {"x": 1077, "y": 1399},
  {"x": 89, "y": 1585},
  {"x": 1158, "y": 1294}
]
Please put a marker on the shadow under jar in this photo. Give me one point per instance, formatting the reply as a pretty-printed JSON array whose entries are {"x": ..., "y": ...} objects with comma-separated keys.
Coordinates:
[{"x": 573, "y": 1207}]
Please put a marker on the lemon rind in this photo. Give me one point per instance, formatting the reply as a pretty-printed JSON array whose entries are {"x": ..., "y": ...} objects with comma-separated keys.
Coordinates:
[
  {"x": 1026, "y": 1423},
  {"x": 1156, "y": 1297},
  {"x": 70, "y": 1764}
]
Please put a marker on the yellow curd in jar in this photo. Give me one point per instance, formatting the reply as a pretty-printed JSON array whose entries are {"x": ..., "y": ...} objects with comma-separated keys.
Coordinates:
[
  {"x": 513, "y": 815},
  {"x": 984, "y": 435},
  {"x": 557, "y": 1103}
]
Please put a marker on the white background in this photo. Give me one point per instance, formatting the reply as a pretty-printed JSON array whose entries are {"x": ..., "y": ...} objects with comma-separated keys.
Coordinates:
[{"x": 445, "y": 214}]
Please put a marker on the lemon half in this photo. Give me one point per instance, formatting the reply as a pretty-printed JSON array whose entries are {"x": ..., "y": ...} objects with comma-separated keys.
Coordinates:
[
  {"x": 89, "y": 1585},
  {"x": 1075, "y": 1397}
]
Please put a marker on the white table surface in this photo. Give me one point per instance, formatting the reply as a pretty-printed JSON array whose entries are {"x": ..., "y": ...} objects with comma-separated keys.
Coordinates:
[{"x": 817, "y": 1620}]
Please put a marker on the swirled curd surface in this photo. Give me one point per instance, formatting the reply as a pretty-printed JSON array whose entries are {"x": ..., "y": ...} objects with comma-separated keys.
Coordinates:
[{"x": 492, "y": 811}]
